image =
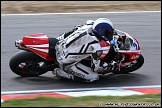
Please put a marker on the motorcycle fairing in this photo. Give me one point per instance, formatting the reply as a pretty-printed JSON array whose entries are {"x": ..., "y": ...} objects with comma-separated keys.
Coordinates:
[
  {"x": 132, "y": 55},
  {"x": 39, "y": 44}
]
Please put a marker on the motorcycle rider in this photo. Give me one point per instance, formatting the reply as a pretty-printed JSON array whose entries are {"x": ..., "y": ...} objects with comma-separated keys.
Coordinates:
[{"x": 80, "y": 43}]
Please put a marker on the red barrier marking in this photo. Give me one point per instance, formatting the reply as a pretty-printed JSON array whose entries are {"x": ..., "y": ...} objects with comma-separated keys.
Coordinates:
[
  {"x": 17, "y": 96},
  {"x": 146, "y": 90},
  {"x": 53, "y": 95},
  {"x": 32, "y": 96}
]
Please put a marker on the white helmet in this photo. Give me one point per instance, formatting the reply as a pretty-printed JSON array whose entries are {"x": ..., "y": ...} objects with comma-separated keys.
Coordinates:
[{"x": 103, "y": 29}]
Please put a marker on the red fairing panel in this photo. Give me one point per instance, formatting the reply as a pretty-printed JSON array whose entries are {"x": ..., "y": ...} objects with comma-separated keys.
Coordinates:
[
  {"x": 35, "y": 39},
  {"x": 105, "y": 47},
  {"x": 39, "y": 44}
]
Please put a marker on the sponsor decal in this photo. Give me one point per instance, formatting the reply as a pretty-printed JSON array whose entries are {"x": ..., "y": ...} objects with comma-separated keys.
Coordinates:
[
  {"x": 134, "y": 56},
  {"x": 70, "y": 71}
]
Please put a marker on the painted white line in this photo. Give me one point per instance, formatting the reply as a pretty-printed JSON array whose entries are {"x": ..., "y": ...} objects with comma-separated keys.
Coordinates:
[
  {"x": 119, "y": 92},
  {"x": 77, "y": 13},
  {"x": 81, "y": 89}
]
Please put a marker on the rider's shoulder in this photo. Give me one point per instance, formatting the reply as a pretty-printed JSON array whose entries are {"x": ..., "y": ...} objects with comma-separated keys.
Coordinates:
[
  {"x": 83, "y": 28},
  {"x": 89, "y": 22},
  {"x": 87, "y": 25}
]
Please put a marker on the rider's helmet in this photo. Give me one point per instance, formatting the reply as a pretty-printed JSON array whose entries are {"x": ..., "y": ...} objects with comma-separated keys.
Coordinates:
[{"x": 103, "y": 29}]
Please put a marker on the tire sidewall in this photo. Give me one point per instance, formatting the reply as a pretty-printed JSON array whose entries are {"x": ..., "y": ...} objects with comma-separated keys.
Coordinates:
[{"x": 23, "y": 56}]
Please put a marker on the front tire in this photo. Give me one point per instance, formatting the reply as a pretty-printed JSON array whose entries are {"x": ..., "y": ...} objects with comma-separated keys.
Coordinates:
[
  {"x": 140, "y": 62},
  {"x": 26, "y": 64}
]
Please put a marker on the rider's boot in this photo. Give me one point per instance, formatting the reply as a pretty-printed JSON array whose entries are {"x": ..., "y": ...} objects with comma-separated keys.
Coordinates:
[{"x": 60, "y": 74}]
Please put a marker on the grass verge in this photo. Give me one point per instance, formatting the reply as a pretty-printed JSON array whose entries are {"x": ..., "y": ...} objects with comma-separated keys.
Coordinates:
[{"x": 147, "y": 100}]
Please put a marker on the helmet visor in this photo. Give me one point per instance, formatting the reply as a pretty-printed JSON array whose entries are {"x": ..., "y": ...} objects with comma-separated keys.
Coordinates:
[{"x": 108, "y": 34}]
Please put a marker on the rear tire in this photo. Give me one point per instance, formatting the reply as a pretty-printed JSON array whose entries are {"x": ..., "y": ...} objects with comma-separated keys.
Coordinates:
[
  {"x": 140, "y": 62},
  {"x": 25, "y": 64}
]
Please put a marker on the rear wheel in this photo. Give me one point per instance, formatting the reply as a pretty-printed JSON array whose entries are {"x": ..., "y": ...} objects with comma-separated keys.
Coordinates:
[
  {"x": 27, "y": 64},
  {"x": 132, "y": 67}
]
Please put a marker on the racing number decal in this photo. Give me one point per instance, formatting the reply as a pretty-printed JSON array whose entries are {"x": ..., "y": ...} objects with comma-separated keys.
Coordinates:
[{"x": 135, "y": 45}]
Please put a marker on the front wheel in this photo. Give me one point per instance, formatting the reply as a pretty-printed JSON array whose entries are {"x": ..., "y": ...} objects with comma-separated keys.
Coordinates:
[
  {"x": 27, "y": 64},
  {"x": 134, "y": 66}
]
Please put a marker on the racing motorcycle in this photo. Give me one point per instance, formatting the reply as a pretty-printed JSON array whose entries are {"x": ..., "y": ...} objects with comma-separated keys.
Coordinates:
[{"x": 37, "y": 54}]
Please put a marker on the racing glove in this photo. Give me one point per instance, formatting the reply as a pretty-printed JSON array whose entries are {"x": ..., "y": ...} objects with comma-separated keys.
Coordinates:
[{"x": 96, "y": 63}]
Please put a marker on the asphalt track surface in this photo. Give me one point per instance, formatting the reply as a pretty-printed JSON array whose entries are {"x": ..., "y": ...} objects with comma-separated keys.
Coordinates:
[{"x": 144, "y": 26}]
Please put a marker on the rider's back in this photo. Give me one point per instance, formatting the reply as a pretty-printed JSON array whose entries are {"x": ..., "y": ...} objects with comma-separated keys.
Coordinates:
[{"x": 79, "y": 44}]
